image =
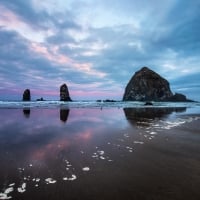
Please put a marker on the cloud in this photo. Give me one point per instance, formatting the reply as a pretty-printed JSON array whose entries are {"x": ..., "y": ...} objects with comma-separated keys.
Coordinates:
[{"x": 96, "y": 47}]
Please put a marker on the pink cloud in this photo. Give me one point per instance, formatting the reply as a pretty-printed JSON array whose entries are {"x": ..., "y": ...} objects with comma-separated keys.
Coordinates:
[
  {"x": 10, "y": 21},
  {"x": 52, "y": 54},
  {"x": 8, "y": 18},
  {"x": 43, "y": 93},
  {"x": 96, "y": 94}
]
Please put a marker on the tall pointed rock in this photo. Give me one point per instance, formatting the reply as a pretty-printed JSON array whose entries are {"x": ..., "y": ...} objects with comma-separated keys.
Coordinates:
[
  {"x": 26, "y": 95},
  {"x": 147, "y": 85},
  {"x": 64, "y": 93}
]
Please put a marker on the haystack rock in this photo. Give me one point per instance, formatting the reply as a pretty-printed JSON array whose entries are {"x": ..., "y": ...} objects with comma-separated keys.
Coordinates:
[
  {"x": 27, "y": 95},
  {"x": 64, "y": 93},
  {"x": 147, "y": 85}
]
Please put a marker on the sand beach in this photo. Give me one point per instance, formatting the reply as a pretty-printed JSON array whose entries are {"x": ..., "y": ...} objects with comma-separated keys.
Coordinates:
[{"x": 95, "y": 153}]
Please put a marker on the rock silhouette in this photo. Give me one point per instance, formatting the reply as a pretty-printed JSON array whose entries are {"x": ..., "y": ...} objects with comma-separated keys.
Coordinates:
[
  {"x": 147, "y": 85},
  {"x": 135, "y": 115},
  {"x": 27, "y": 95},
  {"x": 178, "y": 97},
  {"x": 64, "y": 93},
  {"x": 27, "y": 112},
  {"x": 64, "y": 113}
]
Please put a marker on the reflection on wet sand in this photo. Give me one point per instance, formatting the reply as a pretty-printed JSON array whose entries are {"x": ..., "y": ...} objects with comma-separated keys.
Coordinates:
[
  {"x": 27, "y": 112},
  {"x": 134, "y": 115},
  {"x": 97, "y": 155},
  {"x": 64, "y": 113}
]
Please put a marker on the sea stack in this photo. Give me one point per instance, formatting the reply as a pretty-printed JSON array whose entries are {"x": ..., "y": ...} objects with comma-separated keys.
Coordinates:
[
  {"x": 27, "y": 95},
  {"x": 64, "y": 93},
  {"x": 147, "y": 85}
]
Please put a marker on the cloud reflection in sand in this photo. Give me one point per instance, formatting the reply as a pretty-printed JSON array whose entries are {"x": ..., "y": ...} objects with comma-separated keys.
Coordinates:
[{"x": 44, "y": 148}]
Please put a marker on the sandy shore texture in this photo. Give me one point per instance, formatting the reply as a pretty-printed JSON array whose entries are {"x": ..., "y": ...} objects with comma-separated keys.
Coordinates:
[
  {"x": 166, "y": 168},
  {"x": 138, "y": 162}
]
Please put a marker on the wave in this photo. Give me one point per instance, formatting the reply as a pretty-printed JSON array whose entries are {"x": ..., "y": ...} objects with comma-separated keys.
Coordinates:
[{"x": 94, "y": 104}]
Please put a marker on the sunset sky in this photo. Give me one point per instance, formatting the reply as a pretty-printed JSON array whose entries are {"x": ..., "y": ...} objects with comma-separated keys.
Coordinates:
[{"x": 95, "y": 46}]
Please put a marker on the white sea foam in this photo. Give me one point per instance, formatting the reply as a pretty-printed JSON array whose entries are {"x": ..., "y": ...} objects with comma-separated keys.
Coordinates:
[
  {"x": 130, "y": 149},
  {"x": 138, "y": 142},
  {"x": 22, "y": 189},
  {"x": 85, "y": 169},
  {"x": 21, "y": 169},
  {"x": 8, "y": 190},
  {"x": 88, "y": 104},
  {"x": 12, "y": 184},
  {"x": 72, "y": 178},
  {"x": 153, "y": 133},
  {"x": 101, "y": 157},
  {"x": 4, "y": 196},
  {"x": 101, "y": 152},
  {"x": 37, "y": 179},
  {"x": 126, "y": 135},
  {"x": 50, "y": 180}
]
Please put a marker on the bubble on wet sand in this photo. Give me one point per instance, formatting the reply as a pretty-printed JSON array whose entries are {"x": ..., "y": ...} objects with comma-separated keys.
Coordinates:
[
  {"x": 85, "y": 169},
  {"x": 153, "y": 133},
  {"x": 126, "y": 135},
  {"x": 37, "y": 179},
  {"x": 22, "y": 188},
  {"x": 138, "y": 142},
  {"x": 8, "y": 190},
  {"x": 101, "y": 152},
  {"x": 12, "y": 184},
  {"x": 130, "y": 149},
  {"x": 50, "y": 180},
  {"x": 4, "y": 196},
  {"x": 72, "y": 178}
]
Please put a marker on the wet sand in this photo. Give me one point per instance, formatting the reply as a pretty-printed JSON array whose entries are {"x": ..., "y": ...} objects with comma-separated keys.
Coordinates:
[{"x": 100, "y": 155}]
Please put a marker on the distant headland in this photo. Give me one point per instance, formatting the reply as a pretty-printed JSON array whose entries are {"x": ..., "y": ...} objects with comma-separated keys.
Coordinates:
[{"x": 145, "y": 85}]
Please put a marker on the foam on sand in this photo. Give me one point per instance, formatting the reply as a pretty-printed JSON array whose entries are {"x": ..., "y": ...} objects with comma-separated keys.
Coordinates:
[
  {"x": 4, "y": 196},
  {"x": 6, "y": 193},
  {"x": 138, "y": 142},
  {"x": 50, "y": 180},
  {"x": 72, "y": 178},
  {"x": 22, "y": 189},
  {"x": 85, "y": 169}
]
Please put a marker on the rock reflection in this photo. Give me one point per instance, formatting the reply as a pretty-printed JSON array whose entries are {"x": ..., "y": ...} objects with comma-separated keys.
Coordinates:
[
  {"x": 27, "y": 112},
  {"x": 135, "y": 115},
  {"x": 64, "y": 113}
]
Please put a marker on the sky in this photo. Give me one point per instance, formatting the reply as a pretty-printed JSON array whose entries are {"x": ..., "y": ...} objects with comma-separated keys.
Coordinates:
[{"x": 96, "y": 46}]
